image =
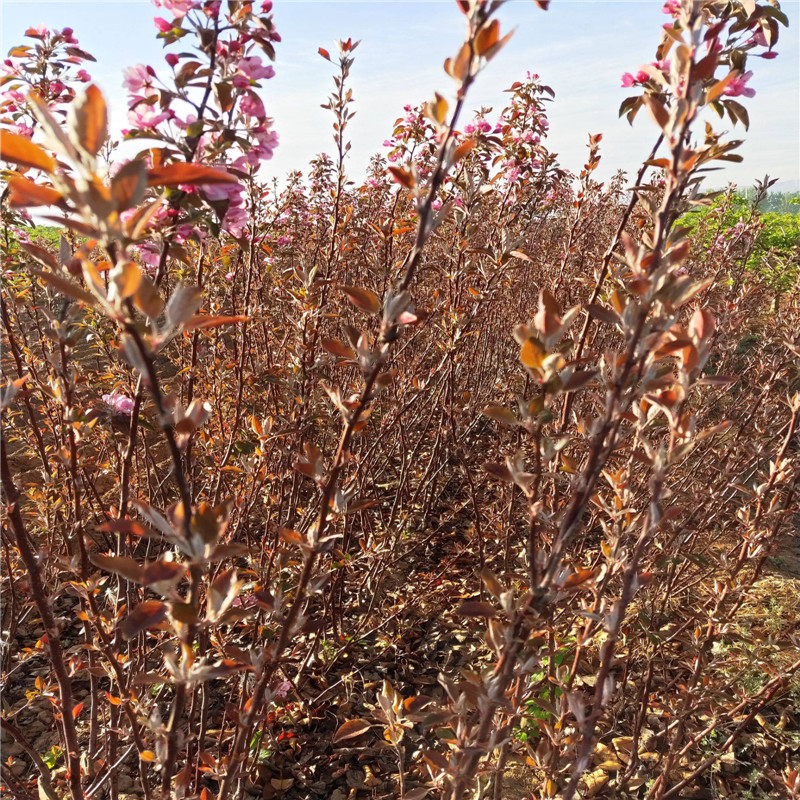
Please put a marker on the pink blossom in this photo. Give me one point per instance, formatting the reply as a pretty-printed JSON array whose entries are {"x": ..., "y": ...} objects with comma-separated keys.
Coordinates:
[
  {"x": 188, "y": 231},
  {"x": 149, "y": 255},
  {"x": 469, "y": 129},
  {"x": 265, "y": 143},
  {"x": 769, "y": 55},
  {"x": 66, "y": 34},
  {"x": 253, "y": 68},
  {"x": 83, "y": 76},
  {"x": 145, "y": 116},
  {"x": 22, "y": 130},
  {"x": 178, "y": 8},
  {"x": 183, "y": 124},
  {"x": 40, "y": 31},
  {"x": 172, "y": 59},
  {"x": 252, "y": 106},
  {"x": 236, "y": 216},
  {"x": 229, "y": 276},
  {"x": 629, "y": 79},
  {"x": 282, "y": 689},
  {"x": 436, "y": 204},
  {"x": 162, "y": 24},
  {"x": 672, "y": 7},
  {"x": 236, "y": 220},
  {"x": 266, "y": 6},
  {"x": 119, "y": 402},
  {"x": 138, "y": 80},
  {"x": 738, "y": 86},
  {"x": 211, "y": 9}
]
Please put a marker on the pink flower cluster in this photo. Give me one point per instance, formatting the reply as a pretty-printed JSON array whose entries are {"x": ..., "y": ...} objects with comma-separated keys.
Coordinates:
[
  {"x": 738, "y": 86},
  {"x": 138, "y": 80},
  {"x": 119, "y": 402},
  {"x": 236, "y": 217},
  {"x": 146, "y": 116},
  {"x": 178, "y": 8},
  {"x": 479, "y": 124},
  {"x": 251, "y": 68},
  {"x": 629, "y": 79}
]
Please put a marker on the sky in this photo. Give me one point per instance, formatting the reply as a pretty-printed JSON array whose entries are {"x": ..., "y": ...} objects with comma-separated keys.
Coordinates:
[{"x": 579, "y": 47}]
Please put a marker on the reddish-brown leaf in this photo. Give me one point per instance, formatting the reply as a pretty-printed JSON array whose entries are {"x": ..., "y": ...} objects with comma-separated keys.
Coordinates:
[
  {"x": 146, "y": 615},
  {"x": 25, "y": 192},
  {"x": 89, "y": 119},
  {"x": 402, "y": 176},
  {"x": 202, "y": 321},
  {"x": 579, "y": 577},
  {"x": 475, "y": 608},
  {"x": 119, "y": 565},
  {"x": 196, "y": 174},
  {"x": 363, "y": 299},
  {"x": 351, "y": 729},
  {"x": 19, "y": 150}
]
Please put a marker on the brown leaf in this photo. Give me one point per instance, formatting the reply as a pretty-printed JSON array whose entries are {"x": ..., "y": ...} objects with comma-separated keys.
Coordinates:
[
  {"x": 119, "y": 565},
  {"x": 363, "y": 299},
  {"x": 25, "y": 192},
  {"x": 500, "y": 414},
  {"x": 162, "y": 572},
  {"x": 351, "y": 729},
  {"x": 40, "y": 254},
  {"x": 475, "y": 608},
  {"x": 499, "y": 471},
  {"x": 202, "y": 321},
  {"x": 196, "y": 174},
  {"x": 337, "y": 348},
  {"x": 657, "y": 110},
  {"x": 579, "y": 379},
  {"x": 89, "y": 120},
  {"x": 22, "y": 151},
  {"x": 146, "y": 615},
  {"x": 579, "y": 577},
  {"x": 603, "y": 313},
  {"x": 402, "y": 176},
  {"x": 719, "y": 87},
  {"x": 531, "y": 354},
  {"x": 462, "y": 150},
  {"x": 129, "y": 184},
  {"x": 64, "y": 286}
]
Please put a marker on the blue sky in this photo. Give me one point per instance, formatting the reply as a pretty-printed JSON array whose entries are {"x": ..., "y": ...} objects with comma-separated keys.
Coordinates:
[{"x": 579, "y": 47}]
